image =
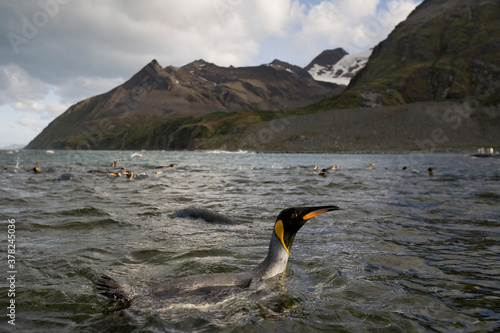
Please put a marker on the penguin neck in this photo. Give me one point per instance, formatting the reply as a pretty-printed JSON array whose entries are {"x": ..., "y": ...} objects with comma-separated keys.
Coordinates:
[{"x": 275, "y": 262}]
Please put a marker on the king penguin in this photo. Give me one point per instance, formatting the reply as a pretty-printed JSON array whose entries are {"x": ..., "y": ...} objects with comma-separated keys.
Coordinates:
[{"x": 287, "y": 224}]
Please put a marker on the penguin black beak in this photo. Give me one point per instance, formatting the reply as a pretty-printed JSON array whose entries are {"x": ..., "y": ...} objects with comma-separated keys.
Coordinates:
[{"x": 310, "y": 212}]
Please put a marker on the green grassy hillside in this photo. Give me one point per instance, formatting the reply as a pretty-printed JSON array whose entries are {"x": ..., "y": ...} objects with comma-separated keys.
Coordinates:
[{"x": 444, "y": 51}]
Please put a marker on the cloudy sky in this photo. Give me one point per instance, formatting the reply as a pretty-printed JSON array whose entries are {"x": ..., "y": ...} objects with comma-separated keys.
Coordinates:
[{"x": 55, "y": 53}]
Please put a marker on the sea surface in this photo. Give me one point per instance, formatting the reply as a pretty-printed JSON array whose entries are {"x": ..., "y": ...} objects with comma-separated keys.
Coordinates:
[{"x": 407, "y": 252}]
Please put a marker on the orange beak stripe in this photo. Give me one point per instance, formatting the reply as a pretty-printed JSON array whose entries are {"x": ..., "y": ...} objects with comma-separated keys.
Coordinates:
[{"x": 313, "y": 214}]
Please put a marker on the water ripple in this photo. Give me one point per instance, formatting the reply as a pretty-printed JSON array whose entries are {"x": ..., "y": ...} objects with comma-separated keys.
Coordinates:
[{"x": 408, "y": 252}]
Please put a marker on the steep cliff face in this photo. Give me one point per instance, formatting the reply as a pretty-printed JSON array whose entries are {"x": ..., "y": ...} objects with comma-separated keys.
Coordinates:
[
  {"x": 155, "y": 94},
  {"x": 445, "y": 50}
]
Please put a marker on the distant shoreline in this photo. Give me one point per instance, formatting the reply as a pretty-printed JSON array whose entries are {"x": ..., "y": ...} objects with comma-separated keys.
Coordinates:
[{"x": 463, "y": 151}]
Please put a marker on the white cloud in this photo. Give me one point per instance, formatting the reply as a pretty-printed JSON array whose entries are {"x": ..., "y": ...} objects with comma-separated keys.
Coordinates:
[
  {"x": 116, "y": 38},
  {"x": 25, "y": 93},
  {"x": 355, "y": 25},
  {"x": 32, "y": 123},
  {"x": 44, "y": 109},
  {"x": 82, "y": 87},
  {"x": 33, "y": 106},
  {"x": 55, "y": 109},
  {"x": 271, "y": 17},
  {"x": 18, "y": 87}
]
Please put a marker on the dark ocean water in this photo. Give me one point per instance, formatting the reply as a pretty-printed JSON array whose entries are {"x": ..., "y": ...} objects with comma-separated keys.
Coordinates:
[{"x": 408, "y": 252}]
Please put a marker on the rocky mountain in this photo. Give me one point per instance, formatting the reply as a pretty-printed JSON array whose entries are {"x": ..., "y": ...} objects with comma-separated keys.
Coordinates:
[
  {"x": 156, "y": 94},
  {"x": 446, "y": 50},
  {"x": 337, "y": 66},
  {"x": 439, "y": 69}
]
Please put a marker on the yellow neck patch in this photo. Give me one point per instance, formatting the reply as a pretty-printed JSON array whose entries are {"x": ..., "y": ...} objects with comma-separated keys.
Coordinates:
[{"x": 280, "y": 232}]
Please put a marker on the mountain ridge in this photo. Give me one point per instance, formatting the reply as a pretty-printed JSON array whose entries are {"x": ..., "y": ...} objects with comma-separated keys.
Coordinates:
[
  {"x": 155, "y": 94},
  {"x": 446, "y": 52}
]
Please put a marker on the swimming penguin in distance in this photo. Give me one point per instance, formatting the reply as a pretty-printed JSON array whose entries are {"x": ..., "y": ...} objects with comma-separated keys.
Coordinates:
[
  {"x": 132, "y": 175},
  {"x": 287, "y": 224},
  {"x": 65, "y": 177},
  {"x": 168, "y": 166},
  {"x": 323, "y": 171},
  {"x": 204, "y": 214}
]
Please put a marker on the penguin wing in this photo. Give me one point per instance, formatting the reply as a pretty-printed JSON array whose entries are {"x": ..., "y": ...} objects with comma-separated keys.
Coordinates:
[
  {"x": 111, "y": 288},
  {"x": 202, "y": 283}
]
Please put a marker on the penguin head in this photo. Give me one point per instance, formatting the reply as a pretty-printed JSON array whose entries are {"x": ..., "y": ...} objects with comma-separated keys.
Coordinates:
[{"x": 290, "y": 220}]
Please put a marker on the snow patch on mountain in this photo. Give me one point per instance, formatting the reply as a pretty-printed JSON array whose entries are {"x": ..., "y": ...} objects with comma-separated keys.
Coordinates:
[{"x": 343, "y": 71}]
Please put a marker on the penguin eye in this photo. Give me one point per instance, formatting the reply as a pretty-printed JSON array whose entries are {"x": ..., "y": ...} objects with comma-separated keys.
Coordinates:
[{"x": 294, "y": 215}]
